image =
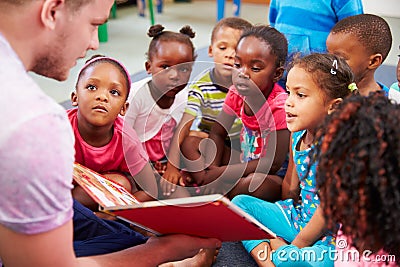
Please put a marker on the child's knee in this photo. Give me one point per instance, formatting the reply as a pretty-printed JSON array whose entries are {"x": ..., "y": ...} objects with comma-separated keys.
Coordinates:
[
  {"x": 190, "y": 144},
  {"x": 242, "y": 201}
]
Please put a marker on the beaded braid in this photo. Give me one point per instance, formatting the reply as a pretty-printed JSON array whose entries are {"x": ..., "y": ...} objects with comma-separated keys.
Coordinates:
[{"x": 359, "y": 168}]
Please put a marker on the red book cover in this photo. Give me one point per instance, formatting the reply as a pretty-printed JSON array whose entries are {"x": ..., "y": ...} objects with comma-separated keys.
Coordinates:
[{"x": 205, "y": 216}]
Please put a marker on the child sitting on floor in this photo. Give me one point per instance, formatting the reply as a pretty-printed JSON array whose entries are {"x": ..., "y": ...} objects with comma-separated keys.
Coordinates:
[
  {"x": 364, "y": 41},
  {"x": 207, "y": 95},
  {"x": 316, "y": 84},
  {"x": 157, "y": 103},
  {"x": 358, "y": 173},
  {"x": 101, "y": 92},
  {"x": 258, "y": 100}
]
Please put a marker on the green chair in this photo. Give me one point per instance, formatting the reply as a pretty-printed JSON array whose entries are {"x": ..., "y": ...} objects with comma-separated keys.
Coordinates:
[{"x": 103, "y": 33}]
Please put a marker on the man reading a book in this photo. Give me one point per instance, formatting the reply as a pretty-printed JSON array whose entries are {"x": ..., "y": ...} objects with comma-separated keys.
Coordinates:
[{"x": 37, "y": 145}]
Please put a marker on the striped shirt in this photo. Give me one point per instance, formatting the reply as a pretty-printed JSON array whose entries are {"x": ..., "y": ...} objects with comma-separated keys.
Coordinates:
[{"x": 206, "y": 100}]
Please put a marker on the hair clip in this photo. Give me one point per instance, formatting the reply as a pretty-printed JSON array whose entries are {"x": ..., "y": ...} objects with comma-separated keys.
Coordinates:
[
  {"x": 334, "y": 65},
  {"x": 352, "y": 87}
]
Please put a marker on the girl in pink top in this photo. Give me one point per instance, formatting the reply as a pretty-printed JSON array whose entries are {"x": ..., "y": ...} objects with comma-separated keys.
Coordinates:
[
  {"x": 359, "y": 174},
  {"x": 101, "y": 142},
  {"x": 258, "y": 100}
]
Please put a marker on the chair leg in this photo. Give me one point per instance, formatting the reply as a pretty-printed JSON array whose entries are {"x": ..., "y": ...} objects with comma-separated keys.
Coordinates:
[
  {"x": 220, "y": 9},
  {"x": 141, "y": 5},
  {"x": 236, "y": 8},
  {"x": 151, "y": 11},
  {"x": 114, "y": 10},
  {"x": 103, "y": 33},
  {"x": 159, "y": 6}
]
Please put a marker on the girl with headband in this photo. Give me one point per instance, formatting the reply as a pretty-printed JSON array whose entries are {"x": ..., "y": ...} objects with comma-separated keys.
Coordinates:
[{"x": 101, "y": 144}]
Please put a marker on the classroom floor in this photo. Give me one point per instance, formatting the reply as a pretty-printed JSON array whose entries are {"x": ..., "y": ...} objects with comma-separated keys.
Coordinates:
[{"x": 128, "y": 42}]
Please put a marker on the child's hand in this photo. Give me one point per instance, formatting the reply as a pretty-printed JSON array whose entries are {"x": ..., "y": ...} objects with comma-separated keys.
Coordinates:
[
  {"x": 277, "y": 243},
  {"x": 170, "y": 179},
  {"x": 160, "y": 167}
]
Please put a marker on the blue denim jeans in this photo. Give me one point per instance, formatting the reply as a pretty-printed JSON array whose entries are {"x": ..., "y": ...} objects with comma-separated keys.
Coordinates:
[{"x": 95, "y": 236}]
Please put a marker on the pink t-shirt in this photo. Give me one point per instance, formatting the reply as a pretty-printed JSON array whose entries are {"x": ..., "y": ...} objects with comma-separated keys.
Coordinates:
[
  {"x": 347, "y": 255},
  {"x": 124, "y": 153},
  {"x": 256, "y": 128},
  {"x": 158, "y": 146}
]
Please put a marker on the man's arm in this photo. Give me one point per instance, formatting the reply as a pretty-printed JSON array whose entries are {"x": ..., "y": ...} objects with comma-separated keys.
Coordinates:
[{"x": 54, "y": 248}]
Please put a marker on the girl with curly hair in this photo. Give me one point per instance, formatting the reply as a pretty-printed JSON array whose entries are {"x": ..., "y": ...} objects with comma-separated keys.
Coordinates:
[{"x": 358, "y": 173}]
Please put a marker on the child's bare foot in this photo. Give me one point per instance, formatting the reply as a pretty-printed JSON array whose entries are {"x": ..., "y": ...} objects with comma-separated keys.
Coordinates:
[{"x": 205, "y": 258}]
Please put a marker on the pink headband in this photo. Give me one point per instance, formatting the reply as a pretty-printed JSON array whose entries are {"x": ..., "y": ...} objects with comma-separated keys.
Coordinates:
[{"x": 111, "y": 59}]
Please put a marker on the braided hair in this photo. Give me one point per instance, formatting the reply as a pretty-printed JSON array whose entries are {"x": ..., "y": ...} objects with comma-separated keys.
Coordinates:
[{"x": 358, "y": 171}]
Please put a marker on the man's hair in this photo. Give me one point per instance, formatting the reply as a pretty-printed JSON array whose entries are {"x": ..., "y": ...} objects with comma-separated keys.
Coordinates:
[
  {"x": 71, "y": 4},
  {"x": 75, "y": 5},
  {"x": 372, "y": 31}
]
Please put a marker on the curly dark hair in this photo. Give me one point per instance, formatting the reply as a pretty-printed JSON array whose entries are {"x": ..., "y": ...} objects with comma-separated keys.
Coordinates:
[
  {"x": 331, "y": 73},
  {"x": 271, "y": 36},
  {"x": 158, "y": 34},
  {"x": 372, "y": 31},
  {"x": 358, "y": 171}
]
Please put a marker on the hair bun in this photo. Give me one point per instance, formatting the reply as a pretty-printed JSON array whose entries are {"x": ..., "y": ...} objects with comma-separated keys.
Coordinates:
[
  {"x": 155, "y": 30},
  {"x": 187, "y": 30}
]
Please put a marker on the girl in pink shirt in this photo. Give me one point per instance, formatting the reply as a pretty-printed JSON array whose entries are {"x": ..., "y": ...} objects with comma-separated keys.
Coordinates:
[
  {"x": 101, "y": 142},
  {"x": 258, "y": 101},
  {"x": 359, "y": 174}
]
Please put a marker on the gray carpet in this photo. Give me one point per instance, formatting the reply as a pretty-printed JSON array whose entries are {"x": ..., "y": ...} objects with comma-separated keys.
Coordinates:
[{"x": 233, "y": 254}]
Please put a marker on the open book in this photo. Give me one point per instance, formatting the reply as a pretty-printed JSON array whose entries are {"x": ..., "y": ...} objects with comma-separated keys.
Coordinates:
[{"x": 204, "y": 216}]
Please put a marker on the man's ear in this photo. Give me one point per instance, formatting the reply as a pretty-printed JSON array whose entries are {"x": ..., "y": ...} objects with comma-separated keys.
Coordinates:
[
  {"x": 50, "y": 12},
  {"x": 147, "y": 65},
  {"x": 278, "y": 74},
  {"x": 375, "y": 61},
  {"x": 334, "y": 104},
  {"x": 74, "y": 99},
  {"x": 124, "y": 109}
]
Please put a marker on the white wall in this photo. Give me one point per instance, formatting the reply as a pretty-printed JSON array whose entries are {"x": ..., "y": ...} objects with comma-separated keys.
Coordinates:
[{"x": 389, "y": 8}]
